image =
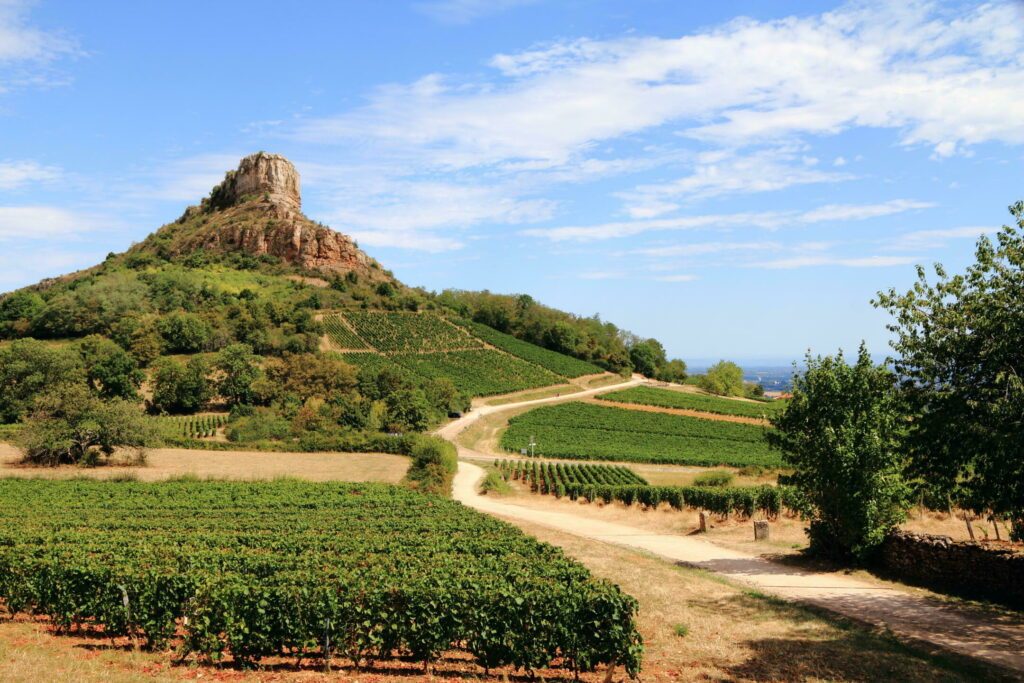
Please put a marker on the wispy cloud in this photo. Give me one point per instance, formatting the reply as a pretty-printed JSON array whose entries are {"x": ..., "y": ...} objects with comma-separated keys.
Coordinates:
[
  {"x": 44, "y": 222},
  {"x": 825, "y": 260},
  {"x": 26, "y": 51},
  {"x": 938, "y": 76},
  {"x": 466, "y": 11},
  {"x": 15, "y": 174},
  {"x": 933, "y": 239},
  {"x": 766, "y": 219}
]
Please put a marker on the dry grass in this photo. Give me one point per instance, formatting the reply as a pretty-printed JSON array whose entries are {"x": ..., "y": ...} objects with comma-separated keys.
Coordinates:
[
  {"x": 736, "y": 635},
  {"x": 605, "y": 379},
  {"x": 165, "y": 463}
]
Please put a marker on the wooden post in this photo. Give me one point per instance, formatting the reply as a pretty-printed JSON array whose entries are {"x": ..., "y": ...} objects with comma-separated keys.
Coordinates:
[
  {"x": 703, "y": 522},
  {"x": 761, "y": 530}
]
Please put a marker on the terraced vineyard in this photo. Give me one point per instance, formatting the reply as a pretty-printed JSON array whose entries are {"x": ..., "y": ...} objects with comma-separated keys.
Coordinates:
[
  {"x": 254, "y": 570},
  {"x": 546, "y": 477},
  {"x": 666, "y": 398},
  {"x": 584, "y": 431},
  {"x": 341, "y": 334},
  {"x": 191, "y": 426},
  {"x": 390, "y": 331},
  {"x": 560, "y": 364},
  {"x": 480, "y": 372}
]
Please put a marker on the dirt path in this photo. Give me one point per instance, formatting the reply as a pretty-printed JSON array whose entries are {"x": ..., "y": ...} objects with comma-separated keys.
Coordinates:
[
  {"x": 704, "y": 415},
  {"x": 945, "y": 625}
]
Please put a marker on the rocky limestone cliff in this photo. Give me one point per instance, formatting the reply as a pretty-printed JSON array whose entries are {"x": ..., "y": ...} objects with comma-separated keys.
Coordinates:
[{"x": 256, "y": 209}]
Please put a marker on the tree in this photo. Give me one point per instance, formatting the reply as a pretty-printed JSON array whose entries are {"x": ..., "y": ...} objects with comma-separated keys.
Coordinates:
[
  {"x": 238, "y": 368},
  {"x": 184, "y": 332},
  {"x": 673, "y": 371},
  {"x": 110, "y": 371},
  {"x": 29, "y": 367},
  {"x": 17, "y": 310},
  {"x": 960, "y": 347},
  {"x": 71, "y": 425},
  {"x": 181, "y": 388},
  {"x": 647, "y": 356},
  {"x": 724, "y": 378},
  {"x": 841, "y": 432}
]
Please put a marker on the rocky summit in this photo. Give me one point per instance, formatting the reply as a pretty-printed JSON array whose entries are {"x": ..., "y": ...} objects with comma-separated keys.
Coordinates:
[{"x": 256, "y": 209}]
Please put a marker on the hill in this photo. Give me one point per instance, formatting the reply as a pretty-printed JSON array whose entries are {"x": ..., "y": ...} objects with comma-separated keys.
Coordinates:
[{"x": 246, "y": 304}]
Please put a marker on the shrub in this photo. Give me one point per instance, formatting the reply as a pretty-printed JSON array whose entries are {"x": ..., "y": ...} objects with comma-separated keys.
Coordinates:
[
  {"x": 434, "y": 463},
  {"x": 714, "y": 478}
]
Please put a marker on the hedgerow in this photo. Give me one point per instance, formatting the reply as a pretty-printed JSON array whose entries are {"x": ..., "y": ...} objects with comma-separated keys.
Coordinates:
[{"x": 249, "y": 570}]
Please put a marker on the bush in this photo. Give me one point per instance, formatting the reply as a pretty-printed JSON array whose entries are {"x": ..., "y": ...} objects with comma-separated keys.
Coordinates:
[
  {"x": 714, "y": 478},
  {"x": 434, "y": 464}
]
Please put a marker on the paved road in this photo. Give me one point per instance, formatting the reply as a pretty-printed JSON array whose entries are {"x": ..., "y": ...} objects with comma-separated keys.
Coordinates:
[{"x": 959, "y": 629}]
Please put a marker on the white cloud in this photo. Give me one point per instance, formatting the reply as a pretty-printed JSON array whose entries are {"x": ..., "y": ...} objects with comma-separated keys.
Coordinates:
[
  {"x": 684, "y": 277},
  {"x": 42, "y": 222},
  {"x": 25, "y": 50},
  {"x": 14, "y": 174},
  {"x": 770, "y": 220},
  {"x": 932, "y": 239},
  {"x": 728, "y": 172},
  {"x": 465, "y": 11},
  {"x": 704, "y": 249},
  {"x": 825, "y": 260},
  {"x": 934, "y": 75}
]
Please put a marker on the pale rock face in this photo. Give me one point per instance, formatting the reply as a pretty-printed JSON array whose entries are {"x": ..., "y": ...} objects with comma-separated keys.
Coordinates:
[{"x": 260, "y": 175}]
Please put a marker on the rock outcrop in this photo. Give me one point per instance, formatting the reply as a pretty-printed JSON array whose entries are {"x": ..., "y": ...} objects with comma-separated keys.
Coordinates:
[{"x": 257, "y": 210}]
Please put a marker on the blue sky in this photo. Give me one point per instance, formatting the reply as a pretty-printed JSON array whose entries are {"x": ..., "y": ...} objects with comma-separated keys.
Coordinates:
[{"x": 737, "y": 178}]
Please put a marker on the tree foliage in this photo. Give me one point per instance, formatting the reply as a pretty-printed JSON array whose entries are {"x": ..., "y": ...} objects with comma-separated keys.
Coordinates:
[
  {"x": 239, "y": 371},
  {"x": 109, "y": 369},
  {"x": 72, "y": 425},
  {"x": 841, "y": 432},
  {"x": 960, "y": 346},
  {"x": 181, "y": 388},
  {"x": 724, "y": 378},
  {"x": 28, "y": 368}
]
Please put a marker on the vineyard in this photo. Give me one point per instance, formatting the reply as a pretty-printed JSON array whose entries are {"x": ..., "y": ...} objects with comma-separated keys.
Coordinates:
[
  {"x": 481, "y": 373},
  {"x": 390, "y": 332},
  {"x": 560, "y": 364},
  {"x": 287, "y": 568},
  {"x": 584, "y": 431},
  {"x": 190, "y": 426},
  {"x": 665, "y": 398},
  {"x": 601, "y": 483},
  {"x": 341, "y": 334}
]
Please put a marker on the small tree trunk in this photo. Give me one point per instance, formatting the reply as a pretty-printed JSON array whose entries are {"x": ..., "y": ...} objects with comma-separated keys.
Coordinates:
[
  {"x": 970, "y": 529},
  {"x": 995, "y": 525}
]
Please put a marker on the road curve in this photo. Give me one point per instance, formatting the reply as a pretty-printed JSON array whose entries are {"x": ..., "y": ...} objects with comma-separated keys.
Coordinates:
[{"x": 957, "y": 629}]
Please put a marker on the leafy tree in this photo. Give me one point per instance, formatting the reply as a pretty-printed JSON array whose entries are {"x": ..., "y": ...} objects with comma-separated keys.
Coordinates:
[
  {"x": 239, "y": 370},
  {"x": 181, "y": 388},
  {"x": 29, "y": 367},
  {"x": 724, "y": 378},
  {"x": 308, "y": 375},
  {"x": 184, "y": 332},
  {"x": 647, "y": 356},
  {"x": 841, "y": 432},
  {"x": 17, "y": 310},
  {"x": 408, "y": 410},
  {"x": 110, "y": 371},
  {"x": 673, "y": 371},
  {"x": 960, "y": 342},
  {"x": 71, "y": 425}
]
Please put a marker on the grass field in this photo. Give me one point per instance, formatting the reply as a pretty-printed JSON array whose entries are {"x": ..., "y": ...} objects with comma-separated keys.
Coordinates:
[
  {"x": 586, "y": 431},
  {"x": 666, "y": 398}
]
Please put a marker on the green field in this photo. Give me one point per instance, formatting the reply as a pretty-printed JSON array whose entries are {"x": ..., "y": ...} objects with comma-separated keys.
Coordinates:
[
  {"x": 666, "y": 398},
  {"x": 584, "y": 431},
  {"x": 558, "y": 363},
  {"x": 480, "y": 372},
  {"x": 252, "y": 570},
  {"x": 390, "y": 331}
]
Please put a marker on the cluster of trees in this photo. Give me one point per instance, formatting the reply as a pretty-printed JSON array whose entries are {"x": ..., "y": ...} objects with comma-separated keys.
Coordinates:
[
  {"x": 590, "y": 339},
  {"x": 943, "y": 422},
  {"x": 76, "y": 402}
]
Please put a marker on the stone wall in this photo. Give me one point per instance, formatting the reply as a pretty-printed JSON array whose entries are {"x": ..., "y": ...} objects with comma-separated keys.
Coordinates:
[{"x": 972, "y": 570}]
